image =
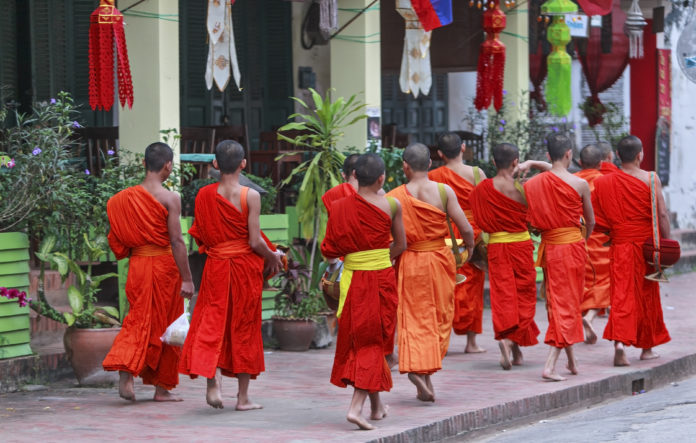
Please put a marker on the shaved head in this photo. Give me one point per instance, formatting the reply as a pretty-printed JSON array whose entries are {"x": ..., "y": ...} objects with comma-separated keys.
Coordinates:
[
  {"x": 157, "y": 155},
  {"x": 591, "y": 157},
  {"x": 606, "y": 150},
  {"x": 229, "y": 155},
  {"x": 505, "y": 154},
  {"x": 628, "y": 148},
  {"x": 557, "y": 145},
  {"x": 450, "y": 144},
  {"x": 349, "y": 164},
  {"x": 417, "y": 156},
  {"x": 368, "y": 168}
]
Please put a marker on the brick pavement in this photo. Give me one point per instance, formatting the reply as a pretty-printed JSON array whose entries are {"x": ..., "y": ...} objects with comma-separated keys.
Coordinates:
[{"x": 300, "y": 404}]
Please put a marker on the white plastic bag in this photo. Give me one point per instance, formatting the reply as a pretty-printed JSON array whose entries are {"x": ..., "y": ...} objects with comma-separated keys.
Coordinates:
[{"x": 175, "y": 335}]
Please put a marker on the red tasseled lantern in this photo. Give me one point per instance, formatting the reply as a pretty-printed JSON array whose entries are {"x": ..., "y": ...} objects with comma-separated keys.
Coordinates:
[
  {"x": 491, "y": 65},
  {"x": 105, "y": 27}
]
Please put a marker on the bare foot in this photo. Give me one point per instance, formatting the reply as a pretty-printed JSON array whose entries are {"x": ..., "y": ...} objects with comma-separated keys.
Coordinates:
[
  {"x": 424, "y": 394},
  {"x": 648, "y": 354},
  {"x": 429, "y": 385},
  {"x": 590, "y": 334},
  {"x": 247, "y": 406},
  {"x": 517, "y": 358},
  {"x": 392, "y": 360},
  {"x": 379, "y": 413},
  {"x": 213, "y": 395},
  {"x": 572, "y": 366},
  {"x": 551, "y": 376},
  {"x": 125, "y": 386},
  {"x": 473, "y": 349},
  {"x": 360, "y": 421},
  {"x": 620, "y": 355},
  {"x": 504, "y": 355},
  {"x": 162, "y": 394}
]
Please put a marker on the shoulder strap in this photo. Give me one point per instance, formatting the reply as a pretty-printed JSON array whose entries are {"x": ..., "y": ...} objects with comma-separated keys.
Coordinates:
[
  {"x": 655, "y": 220},
  {"x": 477, "y": 175},
  {"x": 520, "y": 188},
  {"x": 443, "y": 196},
  {"x": 455, "y": 247},
  {"x": 243, "y": 199},
  {"x": 392, "y": 206}
]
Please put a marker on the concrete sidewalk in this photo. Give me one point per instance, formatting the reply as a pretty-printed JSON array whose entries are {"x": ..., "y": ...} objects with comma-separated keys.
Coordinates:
[{"x": 300, "y": 404}]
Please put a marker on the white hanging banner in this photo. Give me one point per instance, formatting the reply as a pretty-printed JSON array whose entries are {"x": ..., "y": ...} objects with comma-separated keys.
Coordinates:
[
  {"x": 416, "y": 74},
  {"x": 222, "y": 53}
]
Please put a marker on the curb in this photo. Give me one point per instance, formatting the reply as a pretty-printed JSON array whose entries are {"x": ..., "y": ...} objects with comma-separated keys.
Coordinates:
[
  {"x": 572, "y": 398},
  {"x": 33, "y": 369}
]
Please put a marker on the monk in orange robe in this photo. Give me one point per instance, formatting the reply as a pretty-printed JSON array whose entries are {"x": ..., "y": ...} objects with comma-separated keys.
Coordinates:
[
  {"x": 348, "y": 187},
  {"x": 145, "y": 226},
  {"x": 500, "y": 209},
  {"x": 426, "y": 271},
  {"x": 607, "y": 165},
  {"x": 623, "y": 202},
  {"x": 361, "y": 228},
  {"x": 558, "y": 201},
  {"x": 225, "y": 333},
  {"x": 597, "y": 292},
  {"x": 468, "y": 296}
]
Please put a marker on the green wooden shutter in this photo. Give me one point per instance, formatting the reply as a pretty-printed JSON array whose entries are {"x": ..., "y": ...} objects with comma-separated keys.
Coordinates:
[
  {"x": 8, "y": 51},
  {"x": 277, "y": 35}
]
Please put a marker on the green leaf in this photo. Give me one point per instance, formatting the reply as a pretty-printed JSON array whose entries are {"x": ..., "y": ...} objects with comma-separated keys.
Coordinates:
[
  {"x": 97, "y": 279},
  {"x": 61, "y": 262},
  {"x": 69, "y": 318},
  {"x": 75, "y": 299},
  {"x": 112, "y": 311}
]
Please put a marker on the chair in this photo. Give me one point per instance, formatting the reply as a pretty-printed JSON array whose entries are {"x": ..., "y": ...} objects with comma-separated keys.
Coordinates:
[
  {"x": 97, "y": 143},
  {"x": 391, "y": 137},
  {"x": 238, "y": 133},
  {"x": 474, "y": 145},
  {"x": 198, "y": 141}
]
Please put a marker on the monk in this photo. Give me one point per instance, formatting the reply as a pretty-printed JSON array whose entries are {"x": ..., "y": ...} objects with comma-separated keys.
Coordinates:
[
  {"x": 558, "y": 201},
  {"x": 596, "y": 293},
  {"x": 145, "y": 226},
  {"x": 500, "y": 209},
  {"x": 607, "y": 165},
  {"x": 468, "y": 296},
  {"x": 225, "y": 333},
  {"x": 360, "y": 228},
  {"x": 624, "y": 204},
  {"x": 426, "y": 270},
  {"x": 349, "y": 185}
]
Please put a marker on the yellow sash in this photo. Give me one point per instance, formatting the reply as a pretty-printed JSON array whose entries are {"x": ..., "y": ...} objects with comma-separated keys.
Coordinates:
[
  {"x": 508, "y": 237},
  {"x": 371, "y": 260},
  {"x": 558, "y": 236}
]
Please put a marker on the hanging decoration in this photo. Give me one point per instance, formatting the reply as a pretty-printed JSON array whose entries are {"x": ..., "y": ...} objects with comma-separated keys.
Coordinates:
[
  {"x": 222, "y": 53},
  {"x": 432, "y": 13},
  {"x": 539, "y": 49},
  {"x": 105, "y": 28},
  {"x": 686, "y": 48},
  {"x": 328, "y": 17},
  {"x": 416, "y": 76},
  {"x": 558, "y": 94},
  {"x": 491, "y": 64},
  {"x": 596, "y": 7},
  {"x": 633, "y": 27}
]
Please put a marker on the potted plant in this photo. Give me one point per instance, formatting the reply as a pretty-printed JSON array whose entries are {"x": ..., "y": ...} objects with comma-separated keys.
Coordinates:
[{"x": 91, "y": 328}]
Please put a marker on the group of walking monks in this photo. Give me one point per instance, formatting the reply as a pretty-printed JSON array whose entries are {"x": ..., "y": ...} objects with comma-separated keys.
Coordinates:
[{"x": 401, "y": 289}]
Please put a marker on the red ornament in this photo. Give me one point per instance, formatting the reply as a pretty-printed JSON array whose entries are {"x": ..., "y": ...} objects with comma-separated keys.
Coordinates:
[
  {"x": 491, "y": 65},
  {"x": 105, "y": 27}
]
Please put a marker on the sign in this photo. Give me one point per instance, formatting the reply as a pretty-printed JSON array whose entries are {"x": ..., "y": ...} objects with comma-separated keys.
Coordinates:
[
  {"x": 374, "y": 128},
  {"x": 664, "y": 93},
  {"x": 579, "y": 25},
  {"x": 663, "y": 149}
]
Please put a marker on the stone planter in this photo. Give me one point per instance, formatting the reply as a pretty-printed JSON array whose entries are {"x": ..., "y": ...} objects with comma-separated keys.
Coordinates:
[
  {"x": 293, "y": 335},
  {"x": 14, "y": 273},
  {"x": 86, "y": 350}
]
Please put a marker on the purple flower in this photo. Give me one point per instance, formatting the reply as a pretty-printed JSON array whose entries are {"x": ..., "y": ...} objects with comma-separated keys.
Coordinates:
[
  {"x": 36, "y": 151},
  {"x": 87, "y": 172},
  {"x": 12, "y": 293},
  {"x": 110, "y": 152},
  {"x": 504, "y": 92},
  {"x": 554, "y": 129},
  {"x": 23, "y": 301},
  {"x": 11, "y": 164},
  {"x": 574, "y": 126},
  {"x": 502, "y": 121},
  {"x": 3, "y": 292},
  {"x": 75, "y": 124},
  {"x": 501, "y": 129},
  {"x": 564, "y": 120},
  {"x": 53, "y": 101}
]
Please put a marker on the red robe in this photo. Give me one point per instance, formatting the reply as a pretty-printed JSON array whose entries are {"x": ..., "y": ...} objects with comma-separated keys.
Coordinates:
[
  {"x": 597, "y": 292},
  {"x": 556, "y": 209},
  {"x": 607, "y": 168},
  {"x": 225, "y": 329},
  {"x": 368, "y": 319},
  {"x": 337, "y": 193},
  {"x": 139, "y": 229},
  {"x": 635, "y": 318},
  {"x": 468, "y": 296},
  {"x": 425, "y": 280},
  {"x": 511, "y": 270}
]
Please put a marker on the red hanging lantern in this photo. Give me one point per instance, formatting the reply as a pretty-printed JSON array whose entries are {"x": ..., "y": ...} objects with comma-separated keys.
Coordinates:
[
  {"x": 105, "y": 27},
  {"x": 491, "y": 65}
]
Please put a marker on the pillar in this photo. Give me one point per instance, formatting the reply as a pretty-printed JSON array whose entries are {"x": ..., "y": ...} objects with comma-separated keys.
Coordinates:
[
  {"x": 153, "y": 51},
  {"x": 515, "y": 37},
  {"x": 356, "y": 64}
]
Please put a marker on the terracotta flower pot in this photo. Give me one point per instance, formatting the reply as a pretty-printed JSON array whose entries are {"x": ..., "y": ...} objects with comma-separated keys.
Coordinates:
[
  {"x": 293, "y": 335},
  {"x": 86, "y": 350}
]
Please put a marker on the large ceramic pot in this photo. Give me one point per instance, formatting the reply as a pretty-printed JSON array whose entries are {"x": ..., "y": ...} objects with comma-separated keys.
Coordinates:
[
  {"x": 293, "y": 335},
  {"x": 86, "y": 350}
]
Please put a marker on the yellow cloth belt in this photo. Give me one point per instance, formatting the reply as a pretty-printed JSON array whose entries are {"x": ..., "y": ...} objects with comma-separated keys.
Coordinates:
[
  {"x": 508, "y": 237},
  {"x": 558, "y": 236},
  {"x": 371, "y": 260},
  {"x": 427, "y": 245},
  {"x": 151, "y": 250}
]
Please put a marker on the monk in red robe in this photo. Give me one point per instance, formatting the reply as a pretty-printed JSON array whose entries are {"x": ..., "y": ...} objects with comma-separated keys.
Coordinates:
[
  {"x": 361, "y": 228},
  {"x": 607, "y": 165},
  {"x": 500, "y": 209},
  {"x": 468, "y": 296},
  {"x": 597, "y": 292},
  {"x": 348, "y": 187},
  {"x": 426, "y": 270},
  {"x": 145, "y": 226},
  {"x": 225, "y": 333},
  {"x": 623, "y": 203},
  {"x": 558, "y": 201}
]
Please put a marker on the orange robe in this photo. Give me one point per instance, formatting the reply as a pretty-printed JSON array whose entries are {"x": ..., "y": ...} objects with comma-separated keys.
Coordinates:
[
  {"x": 337, "y": 193},
  {"x": 511, "y": 270},
  {"x": 139, "y": 229},
  {"x": 225, "y": 329},
  {"x": 635, "y": 318},
  {"x": 425, "y": 280},
  {"x": 368, "y": 319},
  {"x": 607, "y": 168},
  {"x": 555, "y": 208},
  {"x": 597, "y": 292},
  {"x": 468, "y": 296}
]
